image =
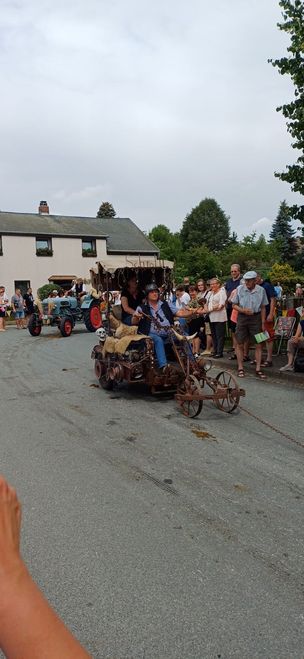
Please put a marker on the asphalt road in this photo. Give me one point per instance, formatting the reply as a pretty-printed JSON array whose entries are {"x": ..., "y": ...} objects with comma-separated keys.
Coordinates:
[{"x": 152, "y": 542}]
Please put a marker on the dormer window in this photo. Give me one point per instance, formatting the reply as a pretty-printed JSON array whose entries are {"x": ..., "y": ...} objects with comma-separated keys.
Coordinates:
[{"x": 89, "y": 247}]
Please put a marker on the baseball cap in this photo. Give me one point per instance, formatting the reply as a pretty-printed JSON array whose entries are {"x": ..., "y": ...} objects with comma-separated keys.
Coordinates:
[{"x": 251, "y": 274}]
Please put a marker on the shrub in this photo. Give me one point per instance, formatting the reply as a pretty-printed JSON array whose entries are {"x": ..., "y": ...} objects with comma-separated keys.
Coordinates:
[{"x": 45, "y": 290}]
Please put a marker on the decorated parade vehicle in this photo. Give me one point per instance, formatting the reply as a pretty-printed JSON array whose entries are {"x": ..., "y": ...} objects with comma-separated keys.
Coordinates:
[
  {"x": 65, "y": 312},
  {"x": 124, "y": 355}
]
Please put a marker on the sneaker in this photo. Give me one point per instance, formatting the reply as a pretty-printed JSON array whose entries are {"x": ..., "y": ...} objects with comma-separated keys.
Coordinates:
[
  {"x": 286, "y": 368},
  {"x": 206, "y": 352}
]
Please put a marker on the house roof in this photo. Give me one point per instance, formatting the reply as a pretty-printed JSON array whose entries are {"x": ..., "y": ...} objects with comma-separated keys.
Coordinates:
[{"x": 121, "y": 233}]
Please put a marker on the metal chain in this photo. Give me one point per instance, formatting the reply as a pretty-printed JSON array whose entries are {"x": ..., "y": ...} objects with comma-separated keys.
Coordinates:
[{"x": 269, "y": 425}]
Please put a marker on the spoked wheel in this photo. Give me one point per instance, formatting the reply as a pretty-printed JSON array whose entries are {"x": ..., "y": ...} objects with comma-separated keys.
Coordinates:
[
  {"x": 230, "y": 401},
  {"x": 190, "y": 408}
]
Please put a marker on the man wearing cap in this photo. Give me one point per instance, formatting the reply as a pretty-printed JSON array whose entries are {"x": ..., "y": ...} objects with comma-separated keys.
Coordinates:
[
  {"x": 164, "y": 313},
  {"x": 250, "y": 301}
]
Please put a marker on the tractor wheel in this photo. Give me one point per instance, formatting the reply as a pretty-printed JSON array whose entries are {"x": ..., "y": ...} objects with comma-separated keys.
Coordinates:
[
  {"x": 92, "y": 318},
  {"x": 34, "y": 326},
  {"x": 66, "y": 326}
]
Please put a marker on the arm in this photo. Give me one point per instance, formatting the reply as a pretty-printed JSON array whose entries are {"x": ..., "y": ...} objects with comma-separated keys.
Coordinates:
[
  {"x": 223, "y": 300},
  {"x": 29, "y": 628},
  {"x": 186, "y": 313},
  {"x": 37, "y": 631},
  {"x": 125, "y": 306},
  {"x": 244, "y": 310},
  {"x": 298, "y": 334},
  {"x": 272, "y": 309}
]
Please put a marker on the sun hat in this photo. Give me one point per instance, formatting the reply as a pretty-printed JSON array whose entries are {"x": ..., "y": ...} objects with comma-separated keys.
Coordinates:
[{"x": 251, "y": 274}]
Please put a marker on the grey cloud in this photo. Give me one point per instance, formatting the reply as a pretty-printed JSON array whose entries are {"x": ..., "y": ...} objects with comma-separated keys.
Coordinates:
[{"x": 152, "y": 105}]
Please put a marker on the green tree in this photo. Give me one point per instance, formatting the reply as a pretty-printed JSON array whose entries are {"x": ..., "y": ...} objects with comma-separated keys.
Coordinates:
[
  {"x": 208, "y": 225},
  {"x": 201, "y": 262},
  {"x": 251, "y": 253},
  {"x": 168, "y": 243},
  {"x": 293, "y": 65},
  {"x": 283, "y": 233},
  {"x": 106, "y": 210},
  {"x": 285, "y": 274}
]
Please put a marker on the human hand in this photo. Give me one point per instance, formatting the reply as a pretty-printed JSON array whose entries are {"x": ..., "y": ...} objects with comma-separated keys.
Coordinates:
[
  {"x": 269, "y": 318},
  {"x": 248, "y": 312}
]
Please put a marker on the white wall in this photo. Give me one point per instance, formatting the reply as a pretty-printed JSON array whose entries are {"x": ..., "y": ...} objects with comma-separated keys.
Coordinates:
[{"x": 19, "y": 260}]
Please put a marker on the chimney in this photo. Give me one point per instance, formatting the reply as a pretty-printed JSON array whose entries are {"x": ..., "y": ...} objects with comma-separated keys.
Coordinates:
[{"x": 43, "y": 208}]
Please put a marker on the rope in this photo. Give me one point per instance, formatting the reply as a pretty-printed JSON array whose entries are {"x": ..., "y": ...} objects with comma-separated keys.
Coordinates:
[{"x": 274, "y": 428}]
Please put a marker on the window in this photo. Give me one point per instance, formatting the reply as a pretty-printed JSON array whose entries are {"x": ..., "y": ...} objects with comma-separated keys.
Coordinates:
[
  {"x": 88, "y": 247},
  {"x": 1, "y": 251},
  {"x": 44, "y": 247},
  {"x": 22, "y": 284}
]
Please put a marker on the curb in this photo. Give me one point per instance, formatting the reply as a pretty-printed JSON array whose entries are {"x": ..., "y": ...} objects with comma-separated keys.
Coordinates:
[{"x": 273, "y": 373}]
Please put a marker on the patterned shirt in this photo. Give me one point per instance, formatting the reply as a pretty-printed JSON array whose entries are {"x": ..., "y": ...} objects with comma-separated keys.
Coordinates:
[{"x": 250, "y": 299}]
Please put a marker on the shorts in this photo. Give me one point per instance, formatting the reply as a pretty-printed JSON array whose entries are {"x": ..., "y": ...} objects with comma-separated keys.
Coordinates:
[
  {"x": 2, "y": 314},
  {"x": 269, "y": 327},
  {"x": 248, "y": 326},
  {"x": 19, "y": 314}
]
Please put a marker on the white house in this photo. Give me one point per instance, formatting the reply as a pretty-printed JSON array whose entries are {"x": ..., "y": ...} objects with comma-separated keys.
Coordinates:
[{"x": 36, "y": 248}]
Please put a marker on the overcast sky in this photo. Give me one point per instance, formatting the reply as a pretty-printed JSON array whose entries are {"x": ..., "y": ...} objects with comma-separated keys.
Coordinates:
[{"x": 149, "y": 104}]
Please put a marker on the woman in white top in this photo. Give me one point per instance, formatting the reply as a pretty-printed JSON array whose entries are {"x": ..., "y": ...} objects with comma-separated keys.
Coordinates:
[
  {"x": 3, "y": 306},
  {"x": 216, "y": 308}
]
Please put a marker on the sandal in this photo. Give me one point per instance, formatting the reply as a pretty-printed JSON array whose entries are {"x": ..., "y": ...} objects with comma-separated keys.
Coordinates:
[
  {"x": 252, "y": 361},
  {"x": 260, "y": 375},
  {"x": 232, "y": 357},
  {"x": 241, "y": 373},
  {"x": 267, "y": 363},
  {"x": 246, "y": 359}
]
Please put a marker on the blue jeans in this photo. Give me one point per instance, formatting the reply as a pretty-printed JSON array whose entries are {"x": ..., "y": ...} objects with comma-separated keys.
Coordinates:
[{"x": 159, "y": 348}]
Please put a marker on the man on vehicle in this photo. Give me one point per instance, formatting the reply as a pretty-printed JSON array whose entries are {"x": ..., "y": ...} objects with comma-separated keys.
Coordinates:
[
  {"x": 250, "y": 301},
  {"x": 163, "y": 312},
  {"x": 270, "y": 312},
  {"x": 230, "y": 286}
]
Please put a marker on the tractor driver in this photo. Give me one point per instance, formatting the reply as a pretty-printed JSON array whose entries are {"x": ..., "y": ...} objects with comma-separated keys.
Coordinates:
[{"x": 164, "y": 312}]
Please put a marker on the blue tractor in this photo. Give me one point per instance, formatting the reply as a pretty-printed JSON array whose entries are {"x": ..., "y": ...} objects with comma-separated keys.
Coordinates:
[{"x": 65, "y": 312}]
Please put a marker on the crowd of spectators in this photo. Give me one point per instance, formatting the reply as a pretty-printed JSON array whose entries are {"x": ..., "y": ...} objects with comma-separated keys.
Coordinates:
[{"x": 243, "y": 308}]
